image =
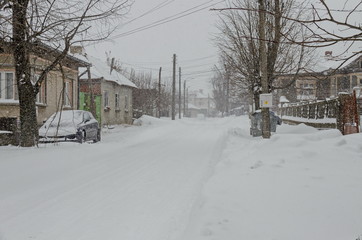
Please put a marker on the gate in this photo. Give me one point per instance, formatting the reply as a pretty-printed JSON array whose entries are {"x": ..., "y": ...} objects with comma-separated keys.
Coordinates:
[{"x": 348, "y": 121}]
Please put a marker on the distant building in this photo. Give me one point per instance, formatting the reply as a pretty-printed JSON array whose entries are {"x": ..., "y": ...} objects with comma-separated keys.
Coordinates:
[
  {"x": 201, "y": 101},
  {"x": 326, "y": 83}
]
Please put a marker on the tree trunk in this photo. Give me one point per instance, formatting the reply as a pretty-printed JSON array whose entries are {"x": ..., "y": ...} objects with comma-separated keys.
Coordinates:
[
  {"x": 28, "y": 123},
  {"x": 256, "y": 101},
  {"x": 263, "y": 68}
]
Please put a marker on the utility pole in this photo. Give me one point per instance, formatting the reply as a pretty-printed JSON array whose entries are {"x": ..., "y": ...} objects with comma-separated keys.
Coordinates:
[
  {"x": 184, "y": 98},
  {"x": 208, "y": 105},
  {"x": 263, "y": 68},
  {"x": 227, "y": 93},
  {"x": 90, "y": 85},
  {"x": 179, "y": 94},
  {"x": 173, "y": 89},
  {"x": 187, "y": 100},
  {"x": 159, "y": 93}
]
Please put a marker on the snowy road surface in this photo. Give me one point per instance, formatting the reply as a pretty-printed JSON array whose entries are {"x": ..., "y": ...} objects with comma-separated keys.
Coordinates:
[
  {"x": 186, "y": 180},
  {"x": 136, "y": 184}
]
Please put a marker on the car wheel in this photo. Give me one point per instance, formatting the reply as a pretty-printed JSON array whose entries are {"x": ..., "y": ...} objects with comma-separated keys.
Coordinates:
[
  {"x": 98, "y": 138},
  {"x": 81, "y": 137}
]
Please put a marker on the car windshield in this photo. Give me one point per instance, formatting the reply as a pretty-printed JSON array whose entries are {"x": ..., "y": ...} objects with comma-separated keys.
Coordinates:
[{"x": 67, "y": 118}]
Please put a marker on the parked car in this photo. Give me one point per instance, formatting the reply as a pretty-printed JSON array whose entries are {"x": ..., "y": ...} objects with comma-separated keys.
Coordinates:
[{"x": 74, "y": 125}]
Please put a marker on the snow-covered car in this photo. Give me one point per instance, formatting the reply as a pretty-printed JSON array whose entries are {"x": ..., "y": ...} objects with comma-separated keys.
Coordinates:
[{"x": 73, "y": 125}]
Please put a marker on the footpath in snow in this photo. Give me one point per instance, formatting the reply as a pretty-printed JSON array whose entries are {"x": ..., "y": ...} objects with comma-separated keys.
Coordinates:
[
  {"x": 186, "y": 180},
  {"x": 301, "y": 184}
]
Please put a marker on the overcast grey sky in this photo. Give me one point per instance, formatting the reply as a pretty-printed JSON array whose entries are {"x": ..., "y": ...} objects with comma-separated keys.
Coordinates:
[{"x": 190, "y": 37}]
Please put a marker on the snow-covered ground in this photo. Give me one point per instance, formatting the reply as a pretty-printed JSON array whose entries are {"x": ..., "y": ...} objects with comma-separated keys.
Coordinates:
[{"x": 189, "y": 179}]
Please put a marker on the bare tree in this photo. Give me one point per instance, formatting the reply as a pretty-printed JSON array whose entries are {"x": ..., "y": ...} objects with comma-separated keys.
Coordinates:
[
  {"x": 218, "y": 92},
  {"x": 332, "y": 26},
  {"x": 227, "y": 90},
  {"x": 26, "y": 24},
  {"x": 239, "y": 42}
]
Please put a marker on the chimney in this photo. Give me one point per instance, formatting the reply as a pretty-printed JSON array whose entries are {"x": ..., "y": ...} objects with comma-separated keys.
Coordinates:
[
  {"x": 328, "y": 53},
  {"x": 77, "y": 50}
]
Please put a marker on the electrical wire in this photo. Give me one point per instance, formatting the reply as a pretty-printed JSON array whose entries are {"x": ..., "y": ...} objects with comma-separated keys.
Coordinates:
[
  {"x": 157, "y": 7},
  {"x": 169, "y": 19}
]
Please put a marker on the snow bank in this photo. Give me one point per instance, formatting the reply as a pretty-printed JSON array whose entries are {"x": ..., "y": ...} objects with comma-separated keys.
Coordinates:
[
  {"x": 301, "y": 184},
  {"x": 148, "y": 120}
]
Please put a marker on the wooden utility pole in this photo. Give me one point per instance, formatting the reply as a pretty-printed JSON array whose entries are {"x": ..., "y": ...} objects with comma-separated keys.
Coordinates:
[
  {"x": 208, "y": 105},
  {"x": 227, "y": 93},
  {"x": 263, "y": 68},
  {"x": 92, "y": 106},
  {"x": 184, "y": 98},
  {"x": 187, "y": 100},
  {"x": 159, "y": 93},
  {"x": 173, "y": 112},
  {"x": 179, "y": 93}
]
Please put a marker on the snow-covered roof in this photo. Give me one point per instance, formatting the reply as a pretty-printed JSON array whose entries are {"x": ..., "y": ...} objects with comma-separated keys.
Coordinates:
[
  {"x": 333, "y": 62},
  {"x": 199, "y": 93},
  {"x": 100, "y": 69},
  {"x": 283, "y": 99},
  {"x": 191, "y": 106}
]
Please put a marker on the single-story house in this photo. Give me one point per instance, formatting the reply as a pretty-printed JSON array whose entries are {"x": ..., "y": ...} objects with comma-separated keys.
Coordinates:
[
  {"x": 110, "y": 90},
  {"x": 57, "y": 91}
]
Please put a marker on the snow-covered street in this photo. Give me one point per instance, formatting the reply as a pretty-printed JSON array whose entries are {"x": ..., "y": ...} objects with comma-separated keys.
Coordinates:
[{"x": 185, "y": 180}]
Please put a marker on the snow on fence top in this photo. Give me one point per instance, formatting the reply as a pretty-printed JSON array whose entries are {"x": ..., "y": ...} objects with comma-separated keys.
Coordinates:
[{"x": 340, "y": 113}]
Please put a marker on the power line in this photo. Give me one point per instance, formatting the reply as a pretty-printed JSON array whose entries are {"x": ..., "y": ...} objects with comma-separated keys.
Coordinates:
[
  {"x": 198, "y": 66},
  {"x": 157, "y": 7},
  {"x": 197, "y": 59},
  {"x": 169, "y": 19},
  {"x": 197, "y": 72},
  {"x": 181, "y": 62}
]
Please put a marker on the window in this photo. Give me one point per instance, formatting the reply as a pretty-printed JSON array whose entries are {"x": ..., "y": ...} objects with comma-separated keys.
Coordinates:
[
  {"x": 116, "y": 97},
  {"x": 105, "y": 99},
  {"x": 126, "y": 103},
  {"x": 7, "y": 85},
  {"x": 354, "y": 81}
]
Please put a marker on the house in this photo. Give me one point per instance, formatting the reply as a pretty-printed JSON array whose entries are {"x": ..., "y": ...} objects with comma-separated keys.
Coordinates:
[
  {"x": 57, "y": 92},
  {"x": 193, "y": 111},
  {"x": 201, "y": 101},
  {"x": 323, "y": 84},
  {"x": 111, "y": 93}
]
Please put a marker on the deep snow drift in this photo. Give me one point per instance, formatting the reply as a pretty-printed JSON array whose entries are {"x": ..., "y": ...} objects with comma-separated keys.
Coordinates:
[{"x": 185, "y": 180}]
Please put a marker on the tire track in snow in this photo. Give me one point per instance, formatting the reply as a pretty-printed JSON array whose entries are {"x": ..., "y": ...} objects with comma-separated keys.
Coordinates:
[{"x": 139, "y": 190}]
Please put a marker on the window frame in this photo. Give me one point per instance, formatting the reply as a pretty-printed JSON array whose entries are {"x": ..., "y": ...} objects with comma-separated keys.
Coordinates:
[
  {"x": 126, "y": 104},
  {"x": 105, "y": 99},
  {"x": 117, "y": 101},
  {"x": 4, "y": 88}
]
